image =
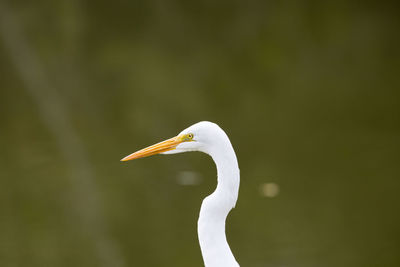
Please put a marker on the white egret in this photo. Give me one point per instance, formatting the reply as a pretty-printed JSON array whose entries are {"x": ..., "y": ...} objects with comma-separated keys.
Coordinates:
[{"x": 209, "y": 138}]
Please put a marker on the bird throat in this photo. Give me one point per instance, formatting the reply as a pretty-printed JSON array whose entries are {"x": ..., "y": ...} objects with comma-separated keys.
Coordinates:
[{"x": 214, "y": 211}]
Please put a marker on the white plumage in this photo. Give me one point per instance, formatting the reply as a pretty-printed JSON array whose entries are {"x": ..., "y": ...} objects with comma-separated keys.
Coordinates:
[{"x": 209, "y": 138}]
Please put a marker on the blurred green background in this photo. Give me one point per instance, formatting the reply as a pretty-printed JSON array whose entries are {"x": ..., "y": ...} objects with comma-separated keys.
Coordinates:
[{"x": 308, "y": 92}]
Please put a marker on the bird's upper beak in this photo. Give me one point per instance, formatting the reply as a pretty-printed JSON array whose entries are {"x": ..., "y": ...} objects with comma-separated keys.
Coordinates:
[{"x": 161, "y": 147}]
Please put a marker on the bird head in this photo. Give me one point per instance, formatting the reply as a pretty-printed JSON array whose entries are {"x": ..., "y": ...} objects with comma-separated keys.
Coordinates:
[{"x": 202, "y": 136}]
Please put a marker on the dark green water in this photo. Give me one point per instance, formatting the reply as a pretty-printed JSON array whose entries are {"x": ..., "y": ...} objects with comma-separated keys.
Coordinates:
[{"x": 307, "y": 92}]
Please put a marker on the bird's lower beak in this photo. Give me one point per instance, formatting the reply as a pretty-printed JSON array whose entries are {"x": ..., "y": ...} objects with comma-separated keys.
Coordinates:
[{"x": 161, "y": 147}]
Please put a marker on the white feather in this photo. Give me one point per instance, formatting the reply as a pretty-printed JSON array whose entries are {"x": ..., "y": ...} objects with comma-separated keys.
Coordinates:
[{"x": 212, "y": 140}]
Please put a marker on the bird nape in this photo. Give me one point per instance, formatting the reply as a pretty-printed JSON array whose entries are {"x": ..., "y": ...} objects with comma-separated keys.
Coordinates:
[{"x": 209, "y": 138}]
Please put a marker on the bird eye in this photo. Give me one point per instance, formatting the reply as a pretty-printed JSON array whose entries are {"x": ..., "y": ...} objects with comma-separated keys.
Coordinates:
[{"x": 190, "y": 136}]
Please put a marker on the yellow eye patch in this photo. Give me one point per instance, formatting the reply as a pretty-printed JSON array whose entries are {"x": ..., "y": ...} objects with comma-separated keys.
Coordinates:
[{"x": 187, "y": 137}]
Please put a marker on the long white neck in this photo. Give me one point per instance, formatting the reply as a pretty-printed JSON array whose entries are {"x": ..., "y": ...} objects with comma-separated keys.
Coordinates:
[{"x": 215, "y": 208}]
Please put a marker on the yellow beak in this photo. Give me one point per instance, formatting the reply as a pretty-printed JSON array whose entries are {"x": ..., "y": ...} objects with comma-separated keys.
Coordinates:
[{"x": 163, "y": 146}]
